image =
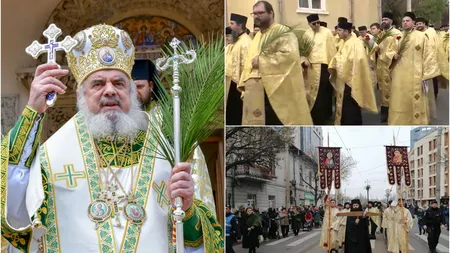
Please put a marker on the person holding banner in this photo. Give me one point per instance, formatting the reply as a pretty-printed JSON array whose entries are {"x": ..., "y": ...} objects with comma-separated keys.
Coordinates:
[{"x": 333, "y": 226}]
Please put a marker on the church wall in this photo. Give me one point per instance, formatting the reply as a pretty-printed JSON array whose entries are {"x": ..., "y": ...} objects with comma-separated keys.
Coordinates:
[
  {"x": 365, "y": 12},
  {"x": 22, "y": 22}
]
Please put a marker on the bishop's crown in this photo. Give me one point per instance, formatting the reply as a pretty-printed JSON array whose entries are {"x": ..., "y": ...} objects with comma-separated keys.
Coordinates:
[{"x": 101, "y": 47}]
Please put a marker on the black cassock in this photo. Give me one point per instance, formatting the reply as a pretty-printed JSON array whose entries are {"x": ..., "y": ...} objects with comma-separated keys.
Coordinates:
[{"x": 357, "y": 236}]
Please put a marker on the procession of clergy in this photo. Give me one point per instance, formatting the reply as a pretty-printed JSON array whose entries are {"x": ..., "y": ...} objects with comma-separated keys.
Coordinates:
[
  {"x": 353, "y": 233},
  {"x": 272, "y": 80}
]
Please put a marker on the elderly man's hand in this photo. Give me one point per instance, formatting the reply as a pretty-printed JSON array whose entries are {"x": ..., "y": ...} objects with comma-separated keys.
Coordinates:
[
  {"x": 44, "y": 82},
  {"x": 181, "y": 185}
]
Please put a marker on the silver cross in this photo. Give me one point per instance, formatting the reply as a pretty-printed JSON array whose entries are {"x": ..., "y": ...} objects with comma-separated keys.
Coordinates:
[{"x": 36, "y": 49}]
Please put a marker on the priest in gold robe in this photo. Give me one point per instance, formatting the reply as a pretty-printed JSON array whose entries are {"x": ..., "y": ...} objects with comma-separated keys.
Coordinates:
[
  {"x": 343, "y": 225},
  {"x": 395, "y": 223},
  {"x": 235, "y": 66},
  {"x": 320, "y": 95},
  {"x": 382, "y": 54},
  {"x": 411, "y": 73},
  {"x": 331, "y": 222},
  {"x": 272, "y": 78},
  {"x": 351, "y": 79}
]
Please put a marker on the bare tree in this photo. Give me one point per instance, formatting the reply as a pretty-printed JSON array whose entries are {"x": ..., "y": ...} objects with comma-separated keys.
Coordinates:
[
  {"x": 256, "y": 147},
  {"x": 347, "y": 165}
]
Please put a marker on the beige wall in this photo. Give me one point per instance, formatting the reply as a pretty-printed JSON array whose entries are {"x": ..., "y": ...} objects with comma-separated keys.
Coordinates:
[
  {"x": 365, "y": 11},
  {"x": 22, "y": 22}
]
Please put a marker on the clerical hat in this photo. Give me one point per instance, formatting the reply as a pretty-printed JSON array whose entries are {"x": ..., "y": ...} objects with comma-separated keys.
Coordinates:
[
  {"x": 238, "y": 18},
  {"x": 422, "y": 20},
  {"x": 410, "y": 14},
  {"x": 346, "y": 203},
  {"x": 362, "y": 28},
  {"x": 433, "y": 202},
  {"x": 144, "y": 69},
  {"x": 388, "y": 14},
  {"x": 345, "y": 25},
  {"x": 324, "y": 24},
  {"x": 228, "y": 30},
  {"x": 312, "y": 18},
  {"x": 340, "y": 205},
  {"x": 371, "y": 202},
  {"x": 356, "y": 201},
  {"x": 342, "y": 19}
]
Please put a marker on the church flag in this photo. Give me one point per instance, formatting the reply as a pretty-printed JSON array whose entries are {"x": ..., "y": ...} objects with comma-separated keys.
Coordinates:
[
  {"x": 397, "y": 160},
  {"x": 329, "y": 162}
]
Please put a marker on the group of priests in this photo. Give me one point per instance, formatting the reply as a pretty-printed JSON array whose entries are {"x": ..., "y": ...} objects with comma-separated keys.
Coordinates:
[{"x": 274, "y": 76}]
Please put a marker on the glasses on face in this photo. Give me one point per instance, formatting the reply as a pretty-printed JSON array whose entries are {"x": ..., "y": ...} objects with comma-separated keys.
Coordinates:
[{"x": 258, "y": 13}]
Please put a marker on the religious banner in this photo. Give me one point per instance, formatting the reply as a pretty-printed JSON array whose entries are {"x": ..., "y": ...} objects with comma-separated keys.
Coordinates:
[
  {"x": 329, "y": 162},
  {"x": 397, "y": 160}
]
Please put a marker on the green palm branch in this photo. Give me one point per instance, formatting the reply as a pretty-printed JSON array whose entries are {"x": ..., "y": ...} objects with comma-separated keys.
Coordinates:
[
  {"x": 305, "y": 43},
  {"x": 382, "y": 36},
  {"x": 403, "y": 43},
  {"x": 446, "y": 38},
  {"x": 201, "y": 99}
]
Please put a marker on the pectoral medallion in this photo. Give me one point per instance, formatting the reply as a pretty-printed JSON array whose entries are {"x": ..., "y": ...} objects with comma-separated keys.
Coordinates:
[{"x": 99, "y": 211}]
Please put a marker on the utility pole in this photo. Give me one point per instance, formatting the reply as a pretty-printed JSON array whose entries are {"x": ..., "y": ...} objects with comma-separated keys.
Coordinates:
[
  {"x": 408, "y": 5},
  {"x": 380, "y": 10},
  {"x": 294, "y": 182},
  {"x": 388, "y": 192},
  {"x": 367, "y": 189},
  {"x": 438, "y": 165}
]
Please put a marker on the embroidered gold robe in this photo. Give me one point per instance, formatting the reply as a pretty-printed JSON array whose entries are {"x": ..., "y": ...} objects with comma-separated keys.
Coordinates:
[
  {"x": 342, "y": 227},
  {"x": 392, "y": 220},
  {"x": 279, "y": 74},
  {"x": 382, "y": 56},
  {"x": 442, "y": 57},
  {"x": 408, "y": 104},
  {"x": 235, "y": 60},
  {"x": 351, "y": 66},
  {"x": 323, "y": 51},
  {"x": 334, "y": 224}
]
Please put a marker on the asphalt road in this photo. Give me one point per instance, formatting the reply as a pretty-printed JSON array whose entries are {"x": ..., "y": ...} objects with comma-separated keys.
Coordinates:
[{"x": 308, "y": 242}]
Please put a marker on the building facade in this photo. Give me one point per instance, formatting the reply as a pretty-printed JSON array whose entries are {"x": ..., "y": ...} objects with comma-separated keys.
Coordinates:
[
  {"x": 361, "y": 12},
  {"x": 287, "y": 184},
  {"x": 428, "y": 159}
]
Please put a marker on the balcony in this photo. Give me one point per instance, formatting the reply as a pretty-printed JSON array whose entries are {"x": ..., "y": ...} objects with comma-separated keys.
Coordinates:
[{"x": 259, "y": 174}]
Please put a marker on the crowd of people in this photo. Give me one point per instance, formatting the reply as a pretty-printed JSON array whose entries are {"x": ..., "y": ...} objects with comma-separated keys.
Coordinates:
[
  {"x": 249, "y": 226},
  {"x": 274, "y": 76}
]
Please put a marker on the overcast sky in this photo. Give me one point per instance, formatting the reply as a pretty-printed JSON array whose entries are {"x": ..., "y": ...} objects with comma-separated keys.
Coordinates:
[{"x": 366, "y": 146}]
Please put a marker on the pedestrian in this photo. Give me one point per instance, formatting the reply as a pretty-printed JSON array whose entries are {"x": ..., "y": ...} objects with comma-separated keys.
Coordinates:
[
  {"x": 433, "y": 222},
  {"x": 295, "y": 221},
  {"x": 265, "y": 224},
  {"x": 250, "y": 238},
  {"x": 284, "y": 222},
  {"x": 233, "y": 231},
  {"x": 420, "y": 215},
  {"x": 446, "y": 216}
]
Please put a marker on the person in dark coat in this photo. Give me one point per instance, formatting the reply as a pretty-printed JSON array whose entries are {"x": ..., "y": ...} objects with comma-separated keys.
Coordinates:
[
  {"x": 250, "y": 240},
  {"x": 433, "y": 222},
  {"x": 233, "y": 231},
  {"x": 420, "y": 215},
  {"x": 357, "y": 231},
  {"x": 295, "y": 220}
]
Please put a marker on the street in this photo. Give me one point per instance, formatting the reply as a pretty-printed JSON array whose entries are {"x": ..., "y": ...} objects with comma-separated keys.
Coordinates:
[
  {"x": 308, "y": 242},
  {"x": 442, "y": 107}
]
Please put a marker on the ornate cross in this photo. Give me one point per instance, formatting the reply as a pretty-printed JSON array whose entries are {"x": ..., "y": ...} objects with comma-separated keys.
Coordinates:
[
  {"x": 36, "y": 49},
  {"x": 161, "y": 194},
  {"x": 70, "y": 176},
  {"x": 163, "y": 64}
]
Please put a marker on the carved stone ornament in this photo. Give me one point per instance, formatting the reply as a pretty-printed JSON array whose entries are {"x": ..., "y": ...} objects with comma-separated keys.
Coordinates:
[{"x": 10, "y": 112}]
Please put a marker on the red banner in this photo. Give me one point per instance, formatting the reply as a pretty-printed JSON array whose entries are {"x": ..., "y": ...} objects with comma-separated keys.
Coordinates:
[
  {"x": 330, "y": 167},
  {"x": 397, "y": 160}
]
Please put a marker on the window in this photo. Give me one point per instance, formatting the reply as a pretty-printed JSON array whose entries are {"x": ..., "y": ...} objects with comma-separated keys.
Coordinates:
[
  {"x": 271, "y": 201},
  {"x": 311, "y": 6},
  {"x": 430, "y": 146},
  {"x": 251, "y": 200}
]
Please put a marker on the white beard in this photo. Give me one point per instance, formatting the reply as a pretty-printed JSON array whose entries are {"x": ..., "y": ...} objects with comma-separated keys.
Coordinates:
[{"x": 114, "y": 124}]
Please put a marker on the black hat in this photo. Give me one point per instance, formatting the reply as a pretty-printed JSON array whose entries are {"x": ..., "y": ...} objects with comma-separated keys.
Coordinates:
[
  {"x": 362, "y": 28},
  {"x": 410, "y": 14},
  {"x": 433, "y": 202},
  {"x": 422, "y": 20},
  {"x": 346, "y": 203},
  {"x": 371, "y": 202},
  {"x": 324, "y": 24},
  {"x": 228, "y": 30},
  {"x": 340, "y": 205},
  {"x": 388, "y": 14},
  {"x": 356, "y": 201},
  {"x": 238, "y": 18},
  {"x": 342, "y": 19},
  {"x": 144, "y": 69},
  {"x": 345, "y": 25},
  {"x": 228, "y": 206},
  {"x": 312, "y": 18}
]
